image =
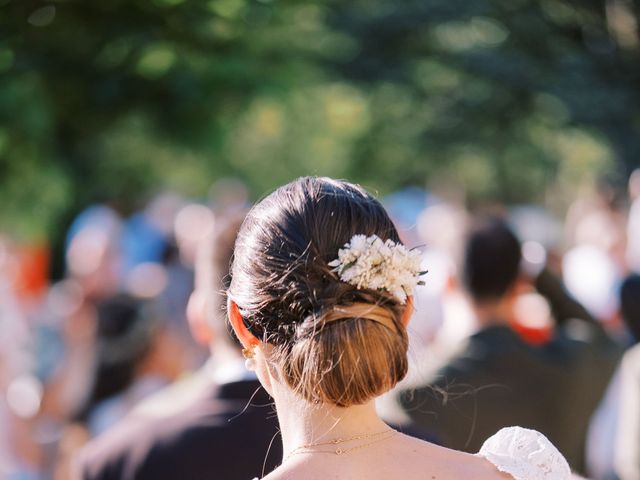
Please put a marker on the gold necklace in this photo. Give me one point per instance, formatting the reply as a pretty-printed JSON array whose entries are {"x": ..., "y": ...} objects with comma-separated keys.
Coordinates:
[{"x": 307, "y": 448}]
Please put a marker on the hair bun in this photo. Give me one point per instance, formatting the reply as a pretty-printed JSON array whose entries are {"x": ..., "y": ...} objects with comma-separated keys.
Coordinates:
[{"x": 347, "y": 358}]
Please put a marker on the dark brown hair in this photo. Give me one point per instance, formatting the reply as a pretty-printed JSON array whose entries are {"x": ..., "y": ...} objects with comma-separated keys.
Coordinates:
[
  {"x": 285, "y": 289},
  {"x": 491, "y": 259}
]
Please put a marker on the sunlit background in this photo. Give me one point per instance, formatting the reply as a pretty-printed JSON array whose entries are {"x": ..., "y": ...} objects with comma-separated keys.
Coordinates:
[
  {"x": 514, "y": 100},
  {"x": 166, "y": 110}
]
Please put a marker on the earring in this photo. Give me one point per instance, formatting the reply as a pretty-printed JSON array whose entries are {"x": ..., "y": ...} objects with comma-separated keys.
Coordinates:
[
  {"x": 250, "y": 364},
  {"x": 249, "y": 354}
]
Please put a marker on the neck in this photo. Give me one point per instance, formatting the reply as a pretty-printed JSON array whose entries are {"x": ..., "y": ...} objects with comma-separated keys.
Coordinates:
[
  {"x": 302, "y": 423},
  {"x": 492, "y": 313}
]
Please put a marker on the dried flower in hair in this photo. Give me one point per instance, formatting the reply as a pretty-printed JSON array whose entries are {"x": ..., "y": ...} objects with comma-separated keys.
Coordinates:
[{"x": 370, "y": 262}]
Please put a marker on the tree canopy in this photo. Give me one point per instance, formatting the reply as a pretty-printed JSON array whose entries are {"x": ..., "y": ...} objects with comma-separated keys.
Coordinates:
[{"x": 507, "y": 99}]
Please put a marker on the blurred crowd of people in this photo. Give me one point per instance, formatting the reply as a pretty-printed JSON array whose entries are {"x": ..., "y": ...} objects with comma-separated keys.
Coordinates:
[{"x": 526, "y": 319}]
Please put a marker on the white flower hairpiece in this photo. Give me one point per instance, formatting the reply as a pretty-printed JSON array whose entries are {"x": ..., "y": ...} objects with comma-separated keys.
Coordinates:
[{"x": 370, "y": 262}]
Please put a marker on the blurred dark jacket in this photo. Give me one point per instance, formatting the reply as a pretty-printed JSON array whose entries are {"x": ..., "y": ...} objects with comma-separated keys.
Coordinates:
[
  {"x": 498, "y": 380},
  {"x": 228, "y": 433}
]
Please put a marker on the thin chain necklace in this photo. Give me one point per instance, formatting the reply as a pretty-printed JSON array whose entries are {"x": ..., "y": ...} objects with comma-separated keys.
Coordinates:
[{"x": 308, "y": 448}]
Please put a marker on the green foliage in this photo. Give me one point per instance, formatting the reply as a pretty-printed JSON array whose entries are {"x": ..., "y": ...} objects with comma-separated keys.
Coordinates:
[{"x": 117, "y": 99}]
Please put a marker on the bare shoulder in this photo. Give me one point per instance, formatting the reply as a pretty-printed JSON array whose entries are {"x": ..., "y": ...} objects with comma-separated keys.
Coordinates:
[
  {"x": 414, "y": 457},
  {"x": 483, "y": 469},
  {"x": 445, "y": 464},
  {"x": 285, "y": 472}
]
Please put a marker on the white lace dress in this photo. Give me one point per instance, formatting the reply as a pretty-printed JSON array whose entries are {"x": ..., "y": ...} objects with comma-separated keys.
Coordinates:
[{"x": 525, "y": 455}]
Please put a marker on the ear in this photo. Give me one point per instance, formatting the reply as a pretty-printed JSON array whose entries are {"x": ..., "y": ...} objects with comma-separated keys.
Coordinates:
[
  {"x": 247, "y": 339},
  {"x": 408, "y": 312}
]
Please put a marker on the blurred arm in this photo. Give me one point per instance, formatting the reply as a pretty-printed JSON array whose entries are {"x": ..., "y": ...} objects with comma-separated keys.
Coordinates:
[{"x": 563, "y": 306}]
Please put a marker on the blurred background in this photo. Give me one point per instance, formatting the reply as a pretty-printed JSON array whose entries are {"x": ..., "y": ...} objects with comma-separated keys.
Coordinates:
[{"x": 128, "y": 127}]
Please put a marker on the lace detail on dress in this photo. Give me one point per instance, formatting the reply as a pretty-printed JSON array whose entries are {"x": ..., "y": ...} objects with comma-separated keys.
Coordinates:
[{"x": 525, "y": 455}]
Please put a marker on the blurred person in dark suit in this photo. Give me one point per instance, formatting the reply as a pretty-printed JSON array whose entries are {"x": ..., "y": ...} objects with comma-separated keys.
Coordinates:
[
  {"x": 217, "y": 423},
  {"x": 497, "y": 379},
  {"x": 139, "y": 353}
]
